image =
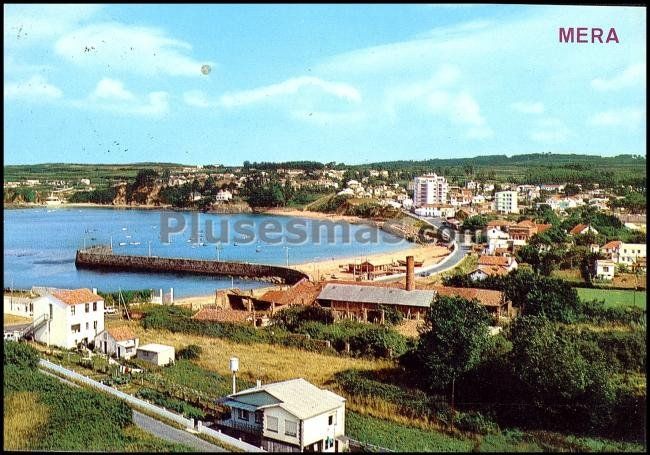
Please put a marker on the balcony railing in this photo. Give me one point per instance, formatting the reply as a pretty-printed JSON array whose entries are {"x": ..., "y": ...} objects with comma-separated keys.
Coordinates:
[{"x": 241, "y": 425}]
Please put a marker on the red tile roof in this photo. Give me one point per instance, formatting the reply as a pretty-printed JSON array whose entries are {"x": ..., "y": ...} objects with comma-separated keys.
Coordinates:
[
  {"x": 503, "y": 261},
  {"x": 121, "y": 333},
  {"x": 494, "y": 223},
  {"x": 302, "y": 293},
  {"x": 491, "y": 270},
  {"x": 223, "y": 315},
  {"x": 543, "y": 227},
  {"x": 485, "y": 297},
  {"x": 578, "y": 229},
  {"x": 76, "y": 296},
  {"x": 612, "y": 245}
]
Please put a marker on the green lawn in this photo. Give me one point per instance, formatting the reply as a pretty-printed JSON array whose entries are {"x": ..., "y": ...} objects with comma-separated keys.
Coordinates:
[
  {"x": 402, "y": 438},
  {"x": 614, "y": 297}
]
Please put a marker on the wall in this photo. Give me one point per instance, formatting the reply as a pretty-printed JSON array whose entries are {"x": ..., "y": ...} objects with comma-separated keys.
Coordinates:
[
  {"x": 317, "y": 428},
  {"x": 282, "y": 415},
  {"x": 89, "y": 259},
  {"x": 17, "y": 306}
]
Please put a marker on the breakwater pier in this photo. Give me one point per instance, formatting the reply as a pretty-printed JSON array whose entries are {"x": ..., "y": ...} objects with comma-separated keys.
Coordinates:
[{"x": 102, "y": 257}]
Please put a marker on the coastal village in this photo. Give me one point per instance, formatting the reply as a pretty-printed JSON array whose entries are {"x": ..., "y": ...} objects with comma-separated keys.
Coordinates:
[{"x": 484, "y": 232}]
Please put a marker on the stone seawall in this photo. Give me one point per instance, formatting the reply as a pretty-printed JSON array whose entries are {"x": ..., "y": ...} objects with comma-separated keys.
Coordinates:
[{"x": 89, "y": 259}]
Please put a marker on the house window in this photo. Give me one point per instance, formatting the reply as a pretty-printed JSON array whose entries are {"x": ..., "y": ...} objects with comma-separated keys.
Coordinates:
[
  {"x": 94, "y": 306},
  {"x": 331, "y": 420},
  {"x": 87, "y": 325},
  {"x": 95, "y": 325},
  {"x": 290, "y": 428},
  {"x": 51, "y": 311},
  {"x": 605, "y": 269},
  {"x": 258, "y": 417},
  {"x": 329, "y": 443},
  {"x": 87, "y": 307},
  {"x": 76, "y": 328},
  {"x": 72, "y": 310},
  {"x": 242, "y": 414},
  {"x": 272, "y": 424}
]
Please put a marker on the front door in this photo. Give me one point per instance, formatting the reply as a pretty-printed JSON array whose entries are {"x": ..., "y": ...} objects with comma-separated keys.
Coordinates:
[{"x": 105, "y": 347}]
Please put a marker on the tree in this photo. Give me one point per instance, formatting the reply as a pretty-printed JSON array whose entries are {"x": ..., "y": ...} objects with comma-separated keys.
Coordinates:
[
  {"x": 474, "y": 223},
  {"x": 452, "y": 341}
]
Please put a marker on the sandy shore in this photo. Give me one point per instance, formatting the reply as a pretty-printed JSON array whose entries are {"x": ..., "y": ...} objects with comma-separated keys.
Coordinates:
[
  {"x": 429, "y": 254},
  {"x": 316, "y": 215}
]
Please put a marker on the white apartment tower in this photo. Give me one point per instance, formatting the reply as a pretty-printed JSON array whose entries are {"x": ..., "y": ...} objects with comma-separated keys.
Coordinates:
[
  {"x": 429, "y": 189},
  {"x": 506, "y": 202}
]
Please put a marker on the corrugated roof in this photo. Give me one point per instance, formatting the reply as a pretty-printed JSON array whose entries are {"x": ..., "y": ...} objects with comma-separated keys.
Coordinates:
[
  {"x": 377, "y": 295},
  {"x": 76, "y": 296},
  {"x": 298, "y": 397}
]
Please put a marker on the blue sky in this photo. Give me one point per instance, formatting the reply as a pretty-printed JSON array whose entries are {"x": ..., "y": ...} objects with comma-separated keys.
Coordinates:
[{"x": 351, "y": 83}]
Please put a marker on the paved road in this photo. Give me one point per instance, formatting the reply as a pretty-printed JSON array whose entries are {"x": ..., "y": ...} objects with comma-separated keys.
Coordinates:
[
  {"x": 171, "y": 434},
  {"x": 161, "y": 429}
]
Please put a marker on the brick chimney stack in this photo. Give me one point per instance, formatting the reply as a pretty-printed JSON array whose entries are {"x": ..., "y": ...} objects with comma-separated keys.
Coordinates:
[{"x": 410, "y": 274}]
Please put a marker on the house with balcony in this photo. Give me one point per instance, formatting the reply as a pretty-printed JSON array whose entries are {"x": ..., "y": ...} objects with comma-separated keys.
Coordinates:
[
  {"x": 73, "y": 317},
  {"x": 287, "y": 416}
]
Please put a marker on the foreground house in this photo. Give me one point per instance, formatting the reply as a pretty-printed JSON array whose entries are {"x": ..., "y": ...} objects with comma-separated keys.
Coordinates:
[
  {"x": 68, "y": 317},
  {"x": 118, "y": 341},
  {"x": 630, "y": 254},
  {"x": 287, "y": 416}
]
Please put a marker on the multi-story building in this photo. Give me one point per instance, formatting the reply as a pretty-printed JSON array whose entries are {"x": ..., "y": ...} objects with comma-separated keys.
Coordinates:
[
  {"x": 430, "y": 189},
  {"x": 72, "y": 316},
  {"x": 506, "y": 202}
]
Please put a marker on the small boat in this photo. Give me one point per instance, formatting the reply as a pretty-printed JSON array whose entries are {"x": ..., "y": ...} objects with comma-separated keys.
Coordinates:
[
  {"x": 258, "y": 249},
  {"x": 189, "y": 240},
  {"x": 124, "y": 229},
  {"x": 128, "y": 236},
  {"x": 134, "y": 243},
  {"x": 122, "y": 243},
  {"x": 235, "y": 244}
]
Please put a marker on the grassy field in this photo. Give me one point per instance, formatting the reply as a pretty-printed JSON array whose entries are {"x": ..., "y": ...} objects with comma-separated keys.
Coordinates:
[
  {"x": 42, "y": 414},
  {"x": 614, "y": 297},
  {"x": 404, "y": 438},
  {"x": 261, "y": 361},
  {"x": 10, "y": 319}
]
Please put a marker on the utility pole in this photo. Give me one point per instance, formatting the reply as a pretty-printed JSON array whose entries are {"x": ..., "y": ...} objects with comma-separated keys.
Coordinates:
[
  {"x": 149, "y": 248},
  {"x": 287, "y": 250}
]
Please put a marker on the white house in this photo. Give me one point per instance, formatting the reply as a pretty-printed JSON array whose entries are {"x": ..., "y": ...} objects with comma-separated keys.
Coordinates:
[
  {"x": 496, "y": 238},
  {"x": 630, "y": 254},
  {"x": 158, "y": 354},
  {"x": 580, "y": 229},
  {"x": 223, "y": 195},
  {"x": 437, "y": 210},
  {"x": 506, "y": 202},
  {"x": 605, "y": 269},
  {"x": 118, "y": 341},
  {"x": 407, "y": 203},
  {"x": 74, "y": 316},
  {"x": 288, "y": 416}
]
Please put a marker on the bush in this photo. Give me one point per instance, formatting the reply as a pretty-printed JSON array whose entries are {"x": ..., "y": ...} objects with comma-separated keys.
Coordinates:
[
  {"x": 475, "y": 422},
  {"x": 292, "y": 317},
  {"x": 378, "y": 341},
  {"x": 595, "y": 311},
  {"x": 179, "y": 406},
  {"x": 20, "y": 354},
  {"x": 190, "y": 352}
]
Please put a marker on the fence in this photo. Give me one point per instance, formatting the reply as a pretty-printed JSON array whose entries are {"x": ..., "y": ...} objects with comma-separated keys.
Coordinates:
[
  {"x": 366, "y": 447},
  {"x": 216, "y": 434},
  {"x": 164, "y": 413}
]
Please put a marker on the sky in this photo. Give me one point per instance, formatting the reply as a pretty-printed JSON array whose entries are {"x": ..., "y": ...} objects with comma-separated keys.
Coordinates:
[{"x": 220, "y": 84}]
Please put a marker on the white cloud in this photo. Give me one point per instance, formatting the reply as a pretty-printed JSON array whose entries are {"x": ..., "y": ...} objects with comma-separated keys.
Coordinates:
[
  {"x": 631, "y": 76},
  {"x": 142, "y": 50},
  {"x": 630, "y": 117},
  {"x": 328, "y": 118},
  {"x": 528, "y": 108},
  {"x": 35, "y": 88},
  {"x": 550, "y": 131},
  {"x": 110, "y": 95},
  {"x": 196, "y": 98},
  {"x": 112, "y": 89},
  {"x": 290, "y": 87}
]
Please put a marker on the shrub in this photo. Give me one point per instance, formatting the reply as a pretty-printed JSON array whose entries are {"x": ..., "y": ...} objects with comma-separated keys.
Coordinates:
[
  {"x": 378, "y": 341},
  {"x": 190, "y": 352},
  {"x": 292, "y": 317},
  {"x": 20, "y": 354},
  {"x": 475, "y": 422},
  {"x": 160, "y": 399}
]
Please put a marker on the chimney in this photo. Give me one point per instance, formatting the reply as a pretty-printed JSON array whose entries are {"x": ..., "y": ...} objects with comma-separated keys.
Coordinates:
[
  {"x": 95, "y": 291},
  {"x": 259, "y": 384},
  {"x": 410, "y": 273}
]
